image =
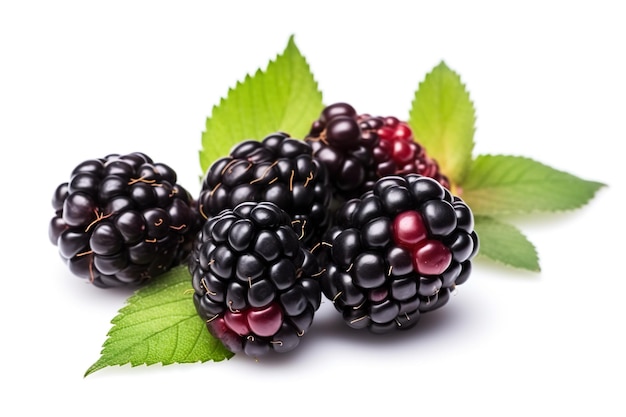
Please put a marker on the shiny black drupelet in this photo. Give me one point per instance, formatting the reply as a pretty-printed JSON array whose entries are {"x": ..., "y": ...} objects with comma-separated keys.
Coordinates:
[
  {"x": 278, "y": 169},
  {"x": 122, "y": 220},
  {"x": 397, "y": 252},
  {"x": 255, "y": 284},
  {"x": 358, "y": 149}
]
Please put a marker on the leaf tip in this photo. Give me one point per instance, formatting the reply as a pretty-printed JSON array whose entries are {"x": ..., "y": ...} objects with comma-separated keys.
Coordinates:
[
  {"x": 93, "y": 368},
  {"x": 291, "y": 48},
  {"x": 442, "y": 65}
]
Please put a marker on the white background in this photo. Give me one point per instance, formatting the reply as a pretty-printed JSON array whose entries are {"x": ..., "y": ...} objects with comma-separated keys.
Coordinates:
[{"x": 83, "y": 79}]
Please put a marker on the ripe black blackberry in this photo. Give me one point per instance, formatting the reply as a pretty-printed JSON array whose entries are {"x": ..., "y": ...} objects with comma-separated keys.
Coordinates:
[
  {"x": 397, "y": 252},
  {"x": 122, "y": 219},
  {"x": 255, "y": 283},
  {"x": 277, "y": 169},
  {"x": 359, "y": 149}
]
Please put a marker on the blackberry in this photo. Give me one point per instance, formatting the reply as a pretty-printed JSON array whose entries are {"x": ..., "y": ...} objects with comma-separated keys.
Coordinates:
[
  {"x": 255, "y": 284},
  {"x": 359, "y": 149},
  {"x": 122, "y": 219},
  {"x": 397, "y": 252},
  {"x": 278, "y": 169}
]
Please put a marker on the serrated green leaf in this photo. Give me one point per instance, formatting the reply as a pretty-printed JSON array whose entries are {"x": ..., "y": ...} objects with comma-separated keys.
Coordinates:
[
  {"x": 504, "y": 243},
  {"x": 285, "y": 97},
  {"x": 502, "y": 184},
  {"x": 160, "y": 324},
  {"x": 443, "y": 120}
]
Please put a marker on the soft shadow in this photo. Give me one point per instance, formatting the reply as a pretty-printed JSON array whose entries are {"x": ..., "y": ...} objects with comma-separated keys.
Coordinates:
[
  {"x": 329, "y": 328},
  {"x": 333, "y": 327}
]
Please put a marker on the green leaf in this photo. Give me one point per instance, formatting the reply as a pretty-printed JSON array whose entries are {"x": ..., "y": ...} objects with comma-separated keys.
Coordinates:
[
  {"x": 160, "y": 324},
  {"x": 285, "y": 97},
  {"x": 501, "y": 184},
  {"x": 504, "y": 243},
  {"x": 443, "y": 118}
]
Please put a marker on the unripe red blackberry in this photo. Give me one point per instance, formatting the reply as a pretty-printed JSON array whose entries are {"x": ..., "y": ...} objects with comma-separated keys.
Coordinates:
[
  {"x": 122, "y": 220},
  {"x": 278, "y": 169},
  {"x": 397, "y": 252},
  {"x": 255, "y": 283},
  {"x": 358, "y": 149}
]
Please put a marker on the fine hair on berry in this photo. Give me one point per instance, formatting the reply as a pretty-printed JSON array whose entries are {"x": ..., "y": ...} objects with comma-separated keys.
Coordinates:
[
  {"x": 122, "y": 220},
  {"x": 277, "y": 169},
  {"x": 255, "y": 284}
]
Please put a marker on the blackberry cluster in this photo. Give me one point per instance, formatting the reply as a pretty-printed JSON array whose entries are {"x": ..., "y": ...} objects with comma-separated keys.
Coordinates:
[
  {"x": 359, "y": 149},
  {"x": 255, "y": 284},
  {"x": 278, "y": 169},
  {"x": 122, "y": 219},
  {"x": 357, "y": 212},
  {"x": 397, "y": 252}
]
